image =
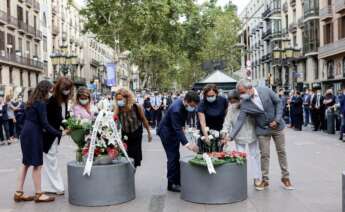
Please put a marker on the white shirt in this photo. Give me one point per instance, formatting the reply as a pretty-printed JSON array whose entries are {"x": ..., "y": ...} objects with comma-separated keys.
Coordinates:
[{"x": 256, "y": 100}]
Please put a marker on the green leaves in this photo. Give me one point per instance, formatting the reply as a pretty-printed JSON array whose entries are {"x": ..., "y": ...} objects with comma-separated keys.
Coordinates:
[{"x": 163, "y": 35}]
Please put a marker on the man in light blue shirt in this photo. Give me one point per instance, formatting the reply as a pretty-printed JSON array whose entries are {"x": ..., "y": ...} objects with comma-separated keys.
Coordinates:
[{"x": 156, "y": 112}]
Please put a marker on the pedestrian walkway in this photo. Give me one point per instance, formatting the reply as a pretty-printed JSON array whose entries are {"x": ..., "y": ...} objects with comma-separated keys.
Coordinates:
[{"x": 316, "y": 161}]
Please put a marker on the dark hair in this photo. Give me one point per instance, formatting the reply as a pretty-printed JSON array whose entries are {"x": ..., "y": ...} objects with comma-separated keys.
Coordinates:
[
  {"x": 63, "y": 83},
  {"x": 233, "y": 94},
  {"x": 192, "y": 96},
  {"x": 40, "y": 93},
  {"x": 210, "y": 87}
]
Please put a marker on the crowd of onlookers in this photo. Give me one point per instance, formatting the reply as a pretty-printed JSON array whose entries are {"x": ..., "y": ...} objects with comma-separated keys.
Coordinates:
[{"x": 323, "y": 111}]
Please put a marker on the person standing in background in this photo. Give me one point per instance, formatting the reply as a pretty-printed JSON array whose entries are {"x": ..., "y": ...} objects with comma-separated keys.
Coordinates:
[
  {"x": 156, "y": 112},
  {"x": 19, "y": 116},
  {"x": 57, "y": 111},
  {"x": 312, "y": 110},
  {"x": 11, "y": 108},
  {"x": 306, "y": 107},
  {"x": 298, "y": 108},
  {"x": 342, "y": 111},
  {"x": 147, "y": 108},
  {"x": 318, "y": 110},
  {"x": 2, "y": 116},
  {"x": 292, "y": 101}
]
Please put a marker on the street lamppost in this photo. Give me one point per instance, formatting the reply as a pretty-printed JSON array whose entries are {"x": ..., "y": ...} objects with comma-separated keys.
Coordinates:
[{"x": 65, "y": 61}]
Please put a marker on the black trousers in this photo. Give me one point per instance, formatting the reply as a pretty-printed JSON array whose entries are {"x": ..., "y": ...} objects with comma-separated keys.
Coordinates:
[
  {"x": 172, "y": 150},
  {"x": 134, "y": 146},
  {"x": 298, "y": 121},
  {"x": 156, "y": 116}
]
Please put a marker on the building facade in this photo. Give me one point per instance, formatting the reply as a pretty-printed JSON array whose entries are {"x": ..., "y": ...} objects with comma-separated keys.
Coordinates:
[
  {"x": 291, "y": 39},
  {"x": 21, "y": 62}
]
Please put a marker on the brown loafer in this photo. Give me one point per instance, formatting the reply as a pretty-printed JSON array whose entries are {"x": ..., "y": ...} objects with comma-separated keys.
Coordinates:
[
  {"x": 39, "y": 200},
  {"x": 287, "y": 184},
  {"x": 20, "y": 197},
  {"x": 262, "y": 186}
]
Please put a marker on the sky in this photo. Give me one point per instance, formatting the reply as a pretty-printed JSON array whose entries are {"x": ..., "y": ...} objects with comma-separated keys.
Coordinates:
[{"x": 240, "y": 3}]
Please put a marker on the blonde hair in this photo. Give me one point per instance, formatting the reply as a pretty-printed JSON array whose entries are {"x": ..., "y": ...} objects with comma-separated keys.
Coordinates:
[{"x": 128, "y": 95}]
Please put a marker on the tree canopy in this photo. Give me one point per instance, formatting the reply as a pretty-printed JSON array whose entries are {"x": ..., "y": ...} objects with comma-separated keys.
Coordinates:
[{"x": 168, "y": 39}]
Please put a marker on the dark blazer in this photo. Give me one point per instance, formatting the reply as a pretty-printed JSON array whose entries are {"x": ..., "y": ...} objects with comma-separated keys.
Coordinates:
[
  {"x": 298, "y": 105},
  {"x": 54, "y": 111},
  {"x": 313, "y": 102}
]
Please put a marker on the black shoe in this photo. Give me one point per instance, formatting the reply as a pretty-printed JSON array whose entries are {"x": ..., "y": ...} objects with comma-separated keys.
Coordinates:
[{"x": 174, "y": 188}]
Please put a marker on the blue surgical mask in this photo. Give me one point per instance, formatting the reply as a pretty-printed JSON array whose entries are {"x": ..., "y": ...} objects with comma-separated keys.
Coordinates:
[
  {"x": 190, "y": 108},
  {"x": 121, "y": 103},
  {"x": 211, "y": 99},
  {"x": 245, "y": 96}
]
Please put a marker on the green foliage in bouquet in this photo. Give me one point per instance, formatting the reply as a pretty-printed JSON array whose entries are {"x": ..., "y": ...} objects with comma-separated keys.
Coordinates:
[
  {"x": 79, "y": 128},
  {"x": 220, "y": 158},
  {"x": 198, "y": 160}
]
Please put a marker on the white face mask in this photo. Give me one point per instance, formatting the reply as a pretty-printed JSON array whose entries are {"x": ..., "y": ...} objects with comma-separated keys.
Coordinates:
[
  {"x": 211, "y": 99},
  {"x": 66, "y": 92},
  {"x": 83, "y": 101}
]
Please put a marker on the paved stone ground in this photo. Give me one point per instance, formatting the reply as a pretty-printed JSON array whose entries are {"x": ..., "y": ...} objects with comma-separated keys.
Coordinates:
[{"x": 316, "y": 162}]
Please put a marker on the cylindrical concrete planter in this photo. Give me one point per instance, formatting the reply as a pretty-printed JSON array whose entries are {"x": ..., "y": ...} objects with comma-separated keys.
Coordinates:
[
  {"x": 229, "y": 185},
  {"x": 108, "y": 184},
  {"x": 343, "y": 190}
]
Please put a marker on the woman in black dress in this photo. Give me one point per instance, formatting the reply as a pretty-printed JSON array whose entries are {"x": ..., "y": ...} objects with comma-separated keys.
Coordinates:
[
  {"x": 131, "y": 117},
  {"x": 211, "y": 113},
  {"x": 31, "y": 141}
]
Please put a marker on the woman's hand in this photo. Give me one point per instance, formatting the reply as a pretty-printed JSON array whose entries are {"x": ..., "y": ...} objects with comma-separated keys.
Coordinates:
[
  {"x": 66, "y": 132},
  {"x": 149, "y": 136}
]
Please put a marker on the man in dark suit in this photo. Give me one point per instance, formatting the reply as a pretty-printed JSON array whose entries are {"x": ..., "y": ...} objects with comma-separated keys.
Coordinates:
[
  {"x": 342, "y": 111},
  {"x": 306, "y": 107},
  {"x": 318, "y": 110},
  {"x": 171, "y": 133},
  {"x": 264, "y": 106}
]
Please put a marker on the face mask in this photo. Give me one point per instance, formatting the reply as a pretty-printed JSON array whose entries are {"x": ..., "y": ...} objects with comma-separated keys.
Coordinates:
[
  {"x": 245, "y": 96},
  {"x": 190, "y": 108},
  {"x": 235, "y": 105},
  {"x": 121, "y": 103},
  {"x": 66, "y": 92},
  {"x": 83, "y": 101},
  {"x": 50, "y": 94},
  {"x": 211, "y": 99}
]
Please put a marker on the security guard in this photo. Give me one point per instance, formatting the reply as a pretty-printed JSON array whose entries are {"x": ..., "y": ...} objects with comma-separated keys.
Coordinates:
[{"x": 171, "y": 133}]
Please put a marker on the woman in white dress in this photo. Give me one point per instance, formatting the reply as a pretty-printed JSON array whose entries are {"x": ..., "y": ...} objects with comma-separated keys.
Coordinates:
[{"x": 57, "y": 111}]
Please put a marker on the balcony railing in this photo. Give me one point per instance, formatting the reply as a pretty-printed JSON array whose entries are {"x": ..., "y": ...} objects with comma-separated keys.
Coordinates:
[
  {"x": 3, "y": 17},
  {"x": 311, "y": 46},
  {"x": 292, "y": 3},
  {"x": 301, "y": 22},
  {"x": 266, "y": 13},
  {"x": 285, "y": 7},
  {"x": 293, "y": 27},
  {"x": 12, "y": 22},
  {"x": 38, "y": 35},
  {"x": 13, "y": 58},
  {"x": 29, "y": 3},
  {"x": 31, "y": 31},
  {"x": 326, "y": 13},
  {"x": 332, "y": 49},
  {"x": 339, "y": 6},
  {"x": 22, "y": 27},
  {"x": 313, "y": 12},
  {"x": 277, "y": 34},
  {"x": 37, "y": 6},
  {"x": 267, "y": 34}
]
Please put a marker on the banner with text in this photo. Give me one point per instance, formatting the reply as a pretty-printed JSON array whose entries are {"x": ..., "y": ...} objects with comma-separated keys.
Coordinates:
[{"x": 111, "y": 74}]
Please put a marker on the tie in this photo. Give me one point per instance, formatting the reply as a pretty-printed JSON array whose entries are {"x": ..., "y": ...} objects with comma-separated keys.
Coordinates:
[{"x": 155, "y": 101}]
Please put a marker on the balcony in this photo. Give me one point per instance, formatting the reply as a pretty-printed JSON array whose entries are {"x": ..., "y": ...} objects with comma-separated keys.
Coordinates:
[
  {"x": 94, "y": 63},
  {"x": 3, "y": 17},
  {"x": 79, "y": 81},
  {"x": 31, "y": 32},
  {"x": 37, "y": 6},
  {"x": 335, "y": 48},
  {"x": 311, "y": 47},
  {"x": 267, "y": 13},
  {"x": 55, "y": 30},
  {"x": 54, "y": 9},
  {"x": 12, "y": 22},
  {"x": 29, "y": 3},
  {"x": 301, "y": 22},
  {"x": 13, "y": 58},
  {"x": 285, "y": 7},
  {"x": 267, "y": 34},
  {"x": 326, "y": 13},
  {"x": 38, "y": 35},
  {"x": 276, "y": 9},
  {"x": 277, "y": 34},
  {"x": 339, "y": 6},
  {"x": 22, "y": 27},
  {"x": 311, "y": 13},
  {"x": 292, "y": 3},
  {"x": 293, "y": 27}
]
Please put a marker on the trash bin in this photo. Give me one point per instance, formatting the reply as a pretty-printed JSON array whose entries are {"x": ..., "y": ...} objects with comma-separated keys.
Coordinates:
[{"x": 330, "y": 116}]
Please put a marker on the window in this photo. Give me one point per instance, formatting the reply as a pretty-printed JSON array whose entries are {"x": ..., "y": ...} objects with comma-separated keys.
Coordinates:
[
  {"x": 294, "y": 40},
  {"x": 341, "y": 27},
  {"x": 29, "y": 79},
  {"x": 328, "y": 33},
  {"x": 11, "y": 75},
  {"x": 27, "y": 53},
  {"x": 37, "y": 78},
  {"x": 44, "y": 19},
  {"x": 36, "y": 50},
  {"x": 20, "y": 45},
  {"x": 294, "y": 16},
  {"x": 10, "y": 42},
  {"x": 21, "y": 77},
  {"x": 0, "y": 74},
  {"x": 2, "y": 41},
  {"x": 27, "y": 18}
]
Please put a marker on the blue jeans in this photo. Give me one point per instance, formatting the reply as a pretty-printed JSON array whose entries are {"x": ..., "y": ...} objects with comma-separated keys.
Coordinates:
[{"x": 306, "y": 115}]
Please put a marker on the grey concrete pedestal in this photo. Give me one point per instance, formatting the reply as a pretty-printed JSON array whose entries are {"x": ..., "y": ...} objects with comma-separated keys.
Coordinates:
[
  {"x": 107, "y": 185},
  {"x": 343, "y": 190},
  {"x": 229, "y": 185}
]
